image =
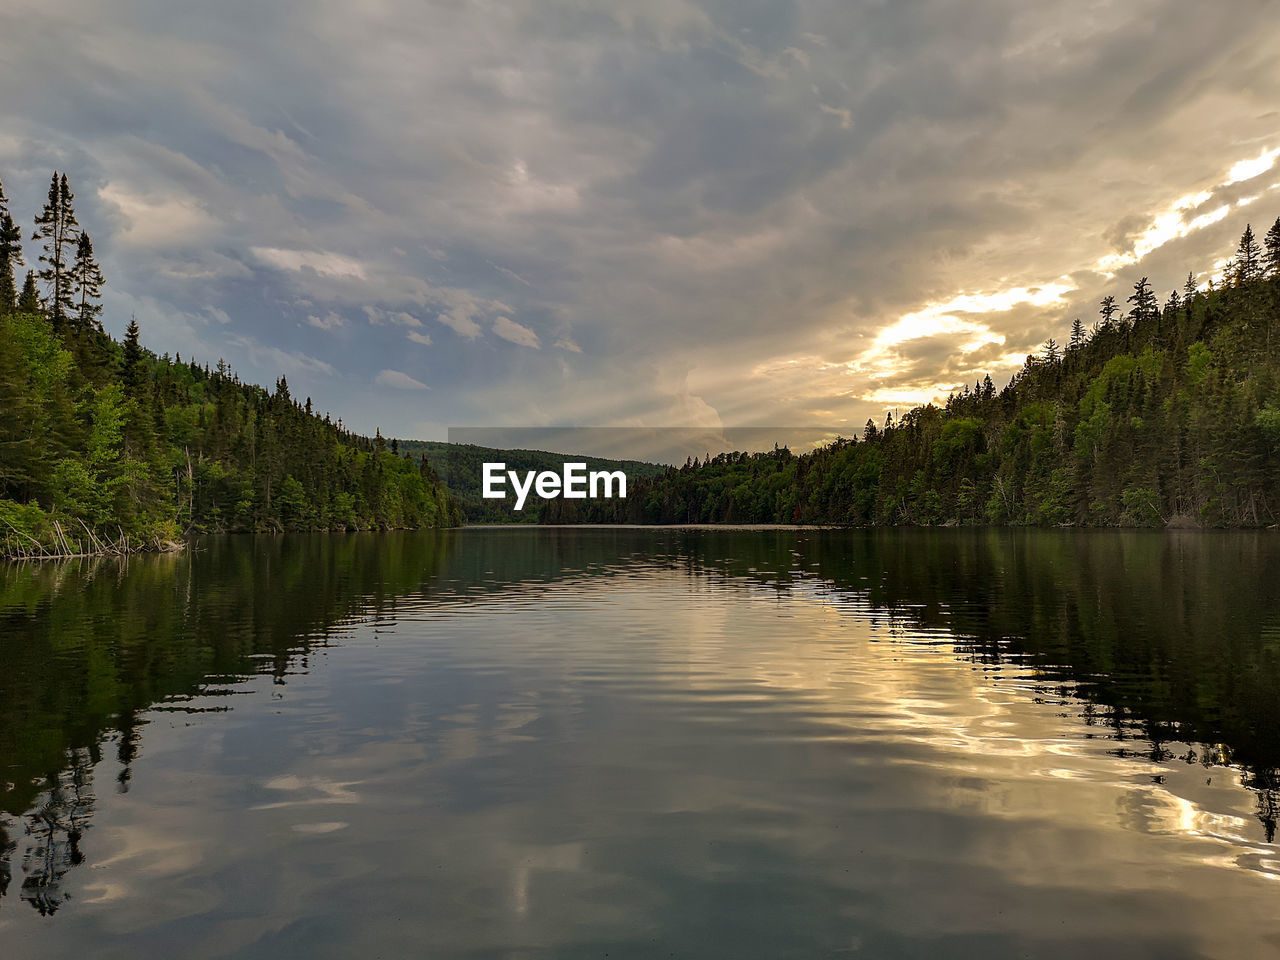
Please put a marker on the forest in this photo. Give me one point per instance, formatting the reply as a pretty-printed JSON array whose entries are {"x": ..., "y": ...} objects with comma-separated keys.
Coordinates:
[
  {"x": 1157, "y": 414},
  {"x": 1161, "y": 414},
  {"x": 107, "y": 448}
]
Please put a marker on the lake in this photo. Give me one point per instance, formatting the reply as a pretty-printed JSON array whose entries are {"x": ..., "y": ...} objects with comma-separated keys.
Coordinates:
[{"x": 622, "y": 742}]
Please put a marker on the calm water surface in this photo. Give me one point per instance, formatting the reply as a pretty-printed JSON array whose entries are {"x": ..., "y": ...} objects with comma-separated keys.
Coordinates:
[{"x": 646, "y": 743}]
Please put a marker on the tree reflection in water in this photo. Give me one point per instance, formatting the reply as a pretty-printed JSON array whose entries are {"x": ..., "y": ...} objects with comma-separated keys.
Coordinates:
[
  {"x": 53, "y": 830},
  {"x": 1168, "y": 643}
]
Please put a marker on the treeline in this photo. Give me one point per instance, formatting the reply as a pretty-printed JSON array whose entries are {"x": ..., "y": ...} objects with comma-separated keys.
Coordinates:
[
  {"x": 106, "y": 447},
  {"x": 1158, "y": 415}
]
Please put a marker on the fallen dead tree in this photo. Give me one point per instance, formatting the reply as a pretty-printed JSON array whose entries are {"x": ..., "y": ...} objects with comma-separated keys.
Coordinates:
[{"x": 61, "y": 545}]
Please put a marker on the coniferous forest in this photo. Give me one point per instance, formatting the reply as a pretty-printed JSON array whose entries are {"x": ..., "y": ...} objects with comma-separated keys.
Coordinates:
[
  {"x": 105, "y": 447},
  {"x": 1156, "y": 414}
]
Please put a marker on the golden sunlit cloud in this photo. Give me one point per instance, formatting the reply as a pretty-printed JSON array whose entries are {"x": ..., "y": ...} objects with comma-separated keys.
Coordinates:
[
  {"x": 1167, "y": 226},
  {"x": 884, "y": 361},
  {"x": 1248, "y": 169},
  {"x": 881, "y": 359},
  {"x": 1170, "y": 225}
]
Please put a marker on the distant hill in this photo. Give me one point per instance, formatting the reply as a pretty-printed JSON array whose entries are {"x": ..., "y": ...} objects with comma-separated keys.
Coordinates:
[{"x": 460, "y": 468}]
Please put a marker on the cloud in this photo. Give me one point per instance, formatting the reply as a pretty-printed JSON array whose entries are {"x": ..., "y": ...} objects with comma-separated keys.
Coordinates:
[
  {"x": 460, "y": 318},
  {"x": 330, "y": 321},
  {"x": 398, "y": 380},
  {"x": 399, "y": 317},
  {"x": 326, "y": 264},
  {"x": 508, "y": 329},
  {"x": 1248, "y": 169},
  {"x": 158, "y": 219},
  {"x": 844, "y": 116},
  {"x": 267, "y": 357},
  {"x": 751, "y": 212}
]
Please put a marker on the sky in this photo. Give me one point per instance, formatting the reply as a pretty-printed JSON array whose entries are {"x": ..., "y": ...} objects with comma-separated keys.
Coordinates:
[{"x": 658, "y": 213}]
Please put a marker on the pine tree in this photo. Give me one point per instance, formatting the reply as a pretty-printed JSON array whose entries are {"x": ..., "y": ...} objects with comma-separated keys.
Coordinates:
[
  {"x": 1145, "y": 304},
  {"x": 1077, "y": 334},
  {"x": 1247, "y": 265},
  {"x": 1189, "y": 291},
  {"x": 1271, "y": 259},
  {"x": 1108, "y": 310},
  {"x": 134, "y": 374},
  {"x": 57, "y": 227},
  {"x": 87, "y": 281},
  {"x": 10, "y": 256},
  {"x": 29, "y": 299}
]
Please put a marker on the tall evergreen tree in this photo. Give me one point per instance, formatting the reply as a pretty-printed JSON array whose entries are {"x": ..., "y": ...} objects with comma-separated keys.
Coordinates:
[
  {"x": 1247, "y": 265},
  {"x": 87, "y": 281},
  {"x": 134, "y": 371},
  {"x": 1108, "y": 310},
  {"x": 1271, "y": 259},
  {"x": 1145, "y": 304},
  {"x": 10, "y": 256},
  {"x": 1077, "y": 334},
  {"x": 57, "y": 226},
  {"x": 29, "y": 299}
]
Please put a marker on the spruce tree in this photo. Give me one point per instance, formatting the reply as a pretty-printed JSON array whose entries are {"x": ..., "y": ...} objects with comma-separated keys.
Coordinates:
[
  {"x": 1077, "y": 334},
  {"x": 87, "y": 281},
  {"x": 10, "y": 256},
  {"x": 1108, "y": 310},
  {"x": 1145, "y": 304},
  {"x": 1247, "y": 265},
  {"x": 134, "y": 373},
  {"x": 57, "y": 227},
  {"x": 1271, "y": 259},
  {"x": 29, "y": 299}
]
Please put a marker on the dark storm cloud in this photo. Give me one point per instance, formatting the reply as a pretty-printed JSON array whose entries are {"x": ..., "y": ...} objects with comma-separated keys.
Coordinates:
[{"x": 660, "y": 211}]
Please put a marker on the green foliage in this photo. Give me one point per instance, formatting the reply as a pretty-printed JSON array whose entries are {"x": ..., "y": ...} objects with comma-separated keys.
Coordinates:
[
  {"x": 106, "y": 441},
  {"x": 59, "y": 231},
  {"x": 1198, "y": 359},
  {"x": 22, "y": 525},
  {"x": 1268, "y": 422}
]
